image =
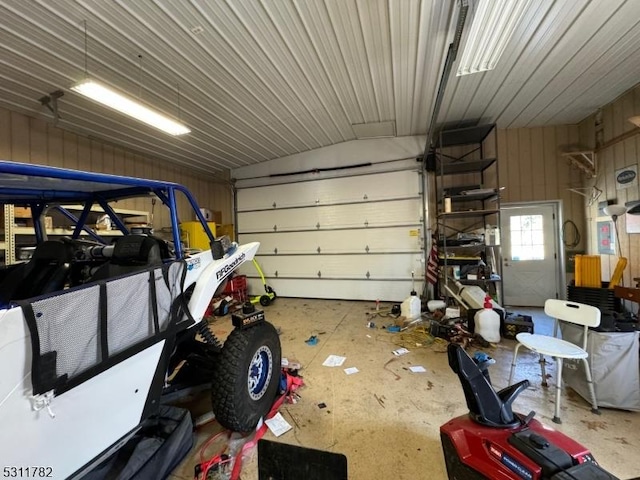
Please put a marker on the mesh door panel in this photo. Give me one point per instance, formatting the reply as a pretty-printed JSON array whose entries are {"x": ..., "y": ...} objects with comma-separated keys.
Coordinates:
[
  {"x": 68, "y": 324},
  {"x": 82, "y": 329},
  {"x": 129, "y": 315},
  {"x": 167, "y": 292}
]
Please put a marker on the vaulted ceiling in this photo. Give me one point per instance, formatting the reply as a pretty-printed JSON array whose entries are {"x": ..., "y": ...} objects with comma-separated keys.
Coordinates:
[{"x": 262, "y": 79}]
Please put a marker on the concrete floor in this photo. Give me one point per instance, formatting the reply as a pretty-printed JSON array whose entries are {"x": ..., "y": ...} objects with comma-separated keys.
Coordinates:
[{"x": 385, "y": 418}]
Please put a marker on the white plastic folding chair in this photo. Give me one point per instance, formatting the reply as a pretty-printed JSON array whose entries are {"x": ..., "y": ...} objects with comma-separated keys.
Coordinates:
[{"x": 571, "y": 312}]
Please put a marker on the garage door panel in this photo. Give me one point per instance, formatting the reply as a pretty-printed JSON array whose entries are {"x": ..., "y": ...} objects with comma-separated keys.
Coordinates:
[
  {"x": 370, "y": 240},
  {"x": 329, "y": 191},
  {"x": 397, "y": 266},
  {"x": 397, "y": 212},
  {"x": 362, "y": 233},
  {"x": 386, "y": 291}
]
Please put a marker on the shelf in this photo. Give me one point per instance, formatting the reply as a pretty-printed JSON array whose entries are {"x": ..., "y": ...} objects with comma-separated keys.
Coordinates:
[
  {"x": 64, "y": 231},
  {"x": 467, "y": 181},
  {"x": 120, "y": 211},
  {"x": 464, "y": 136},
  {"x": 482, "y": 281},
  {"x": 461, "y": 245},
  {"x": 460, "y": 260},
  {"x": 584, "y": 160},
  {"x": 473, "y": 197},
  {"x": 468, "y": 214},
  {"x": 453, "y": 167}
]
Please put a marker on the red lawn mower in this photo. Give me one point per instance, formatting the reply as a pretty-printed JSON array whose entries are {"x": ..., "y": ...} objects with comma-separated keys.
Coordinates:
[{"x": 494, "y": 442}]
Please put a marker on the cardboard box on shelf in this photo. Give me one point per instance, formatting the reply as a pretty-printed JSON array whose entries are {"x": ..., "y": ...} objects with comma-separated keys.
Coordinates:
[
  {"x": 214, "y": 216},
  {"x": 21, "y": 215},
  {"x": 21, "y": 212}
]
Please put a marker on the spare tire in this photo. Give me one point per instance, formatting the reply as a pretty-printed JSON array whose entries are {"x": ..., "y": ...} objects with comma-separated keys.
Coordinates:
[{"x": 246, "y": 377}]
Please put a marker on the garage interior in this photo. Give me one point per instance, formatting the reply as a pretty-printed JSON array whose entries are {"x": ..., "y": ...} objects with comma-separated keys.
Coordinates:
[{"x": 323, "y": 129}]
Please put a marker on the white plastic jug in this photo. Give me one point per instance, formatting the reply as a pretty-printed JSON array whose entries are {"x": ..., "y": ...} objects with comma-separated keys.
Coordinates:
[
  {"x": 410, "y": 307},
  {"x": 487, "y": 322}
]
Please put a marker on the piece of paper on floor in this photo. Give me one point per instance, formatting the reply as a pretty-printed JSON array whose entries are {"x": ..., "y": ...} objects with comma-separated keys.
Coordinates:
[
  {"x": 284, "y": 362},
  {"x": 417, "y": 369},
  {"x": 334, "y": 361},
  {"x": 351, "y": 370},
  {"x": 400, "y": 351},
  {"x": 278, "y": 425}
]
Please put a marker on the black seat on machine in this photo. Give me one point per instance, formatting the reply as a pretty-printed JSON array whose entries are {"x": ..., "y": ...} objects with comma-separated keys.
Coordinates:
[
  {"x": 130, "y": 254},
  {"x": 486, "y": 406},
  {"x": 47, "y": 271}
]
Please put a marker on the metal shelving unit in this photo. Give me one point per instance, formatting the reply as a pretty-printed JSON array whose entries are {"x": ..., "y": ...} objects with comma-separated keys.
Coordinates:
[
  {"x": 467, "y": 181},
  {"x": 12, "y": 232}
]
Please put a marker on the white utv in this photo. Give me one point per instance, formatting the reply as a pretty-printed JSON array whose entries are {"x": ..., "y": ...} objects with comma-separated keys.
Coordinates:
[{"x": 99, "y": 324}]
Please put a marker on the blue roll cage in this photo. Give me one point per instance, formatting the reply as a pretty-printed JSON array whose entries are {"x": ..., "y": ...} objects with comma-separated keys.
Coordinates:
[{"x": 37, "y": 186}]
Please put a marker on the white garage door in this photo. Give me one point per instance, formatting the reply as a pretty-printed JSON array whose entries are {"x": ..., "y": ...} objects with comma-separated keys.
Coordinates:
[{"x": 356, "y": 237}]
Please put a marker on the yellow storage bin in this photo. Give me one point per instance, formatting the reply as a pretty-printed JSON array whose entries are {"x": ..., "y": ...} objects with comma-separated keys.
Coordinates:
[
  {"x": 588, "y": 273},
  {"x": 194, "y": 236}
]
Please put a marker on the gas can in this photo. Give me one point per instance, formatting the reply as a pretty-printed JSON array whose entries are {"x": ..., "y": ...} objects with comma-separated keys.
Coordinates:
[
  {"x": 411, "y": 306},
  {"x": 487, "y": 322}
]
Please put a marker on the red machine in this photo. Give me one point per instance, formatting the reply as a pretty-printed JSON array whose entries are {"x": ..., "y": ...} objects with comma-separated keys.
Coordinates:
[{"x": 493, "y": 442}]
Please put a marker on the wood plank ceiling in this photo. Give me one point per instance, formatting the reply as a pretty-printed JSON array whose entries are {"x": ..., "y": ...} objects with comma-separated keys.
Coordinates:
[{"x": 261, "y": 79}]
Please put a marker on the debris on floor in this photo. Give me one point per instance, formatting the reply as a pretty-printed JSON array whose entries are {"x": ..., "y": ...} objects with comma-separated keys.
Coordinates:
[
  {"x": 334, "y": 361},
  {"x": 351, "y": 370},
  {"x": 228, "y": 461},
  {"x": 278, "y": 425},
  {"x": 392, "y": 312},
  {"x": 397, "y": 377},
  {"x": 290, "y": 364},
  {"x": 400, "y": 351},
  {"x": 312, "y": 340},
  {"x": 417, "y": 337},
  {"x": 417, "y": 369}
]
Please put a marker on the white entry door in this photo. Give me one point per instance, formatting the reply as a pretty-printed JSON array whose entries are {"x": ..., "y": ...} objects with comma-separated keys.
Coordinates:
[
  {"x": 530, "y": 257},
  {"x": 353, "y": 237}
]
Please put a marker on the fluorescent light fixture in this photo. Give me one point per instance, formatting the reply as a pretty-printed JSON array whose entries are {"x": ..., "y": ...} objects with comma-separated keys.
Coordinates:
[
  {"x": 123, "y": 104},
  {"x": 493, "y": 24}
]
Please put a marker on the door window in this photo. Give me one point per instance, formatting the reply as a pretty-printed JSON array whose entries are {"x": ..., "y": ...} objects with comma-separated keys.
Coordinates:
[{"x": 527, "y": 237}]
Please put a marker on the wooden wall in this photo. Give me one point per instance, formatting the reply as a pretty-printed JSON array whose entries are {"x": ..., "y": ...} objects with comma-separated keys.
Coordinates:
[
  {"x": 612, "y": 123},
  {"x": 531, "y": 169},
  {"x": 32, "y": 140}
]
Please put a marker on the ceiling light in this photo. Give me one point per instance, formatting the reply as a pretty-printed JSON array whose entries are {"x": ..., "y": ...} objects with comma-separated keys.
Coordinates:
[
  {"x": 614, "y": 211},
  {"x": 494, "y": 22},
  {"x": 123, "y": 104}
]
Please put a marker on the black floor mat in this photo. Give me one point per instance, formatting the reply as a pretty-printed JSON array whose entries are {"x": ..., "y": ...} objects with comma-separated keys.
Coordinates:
[{"x": 279, "y": 461}]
